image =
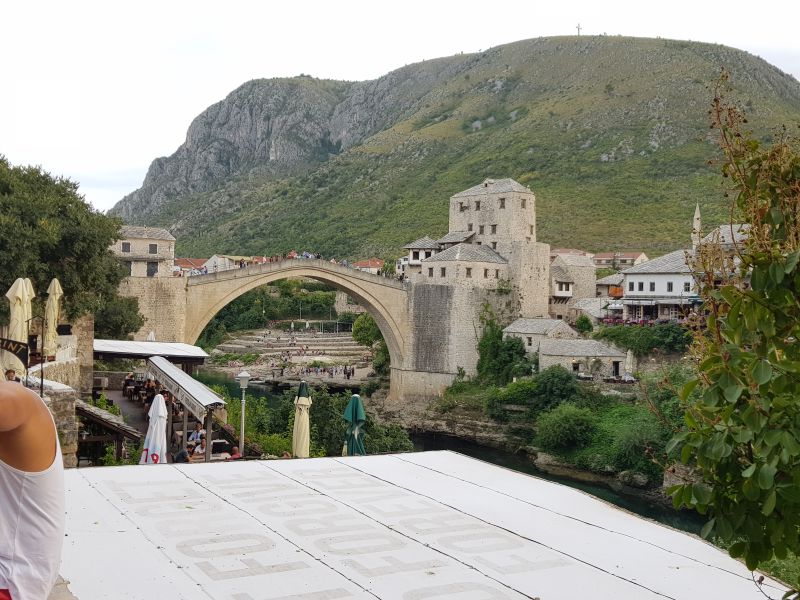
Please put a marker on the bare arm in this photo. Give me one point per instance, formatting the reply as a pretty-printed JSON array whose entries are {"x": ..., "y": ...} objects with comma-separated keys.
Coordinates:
[{"x": 17, "y": 404}]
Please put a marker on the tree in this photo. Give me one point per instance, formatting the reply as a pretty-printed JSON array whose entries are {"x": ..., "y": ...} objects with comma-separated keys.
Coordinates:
[
  {"x": 742, "y": 428},
  {"x": 47, "y": 230},
  {"x": 583, "y": 324},
  {"x": 499, "y": 360},
  {"x": 366, "y": 331}
]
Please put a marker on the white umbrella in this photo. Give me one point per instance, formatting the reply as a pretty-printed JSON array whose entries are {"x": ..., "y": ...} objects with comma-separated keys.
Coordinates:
[
  {"x": 154, "y": 451},
  {"x": 151, "y": 337},
  {"x": 31, "y": 295},
  {"x": 51, "y": 315},
  {"x": 301, "y": 436},
  {"x": 630, "y": 363},
  {"x": 19, "y": 299}
]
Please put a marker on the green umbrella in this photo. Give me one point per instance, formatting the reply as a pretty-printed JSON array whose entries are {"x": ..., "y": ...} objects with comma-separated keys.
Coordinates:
[{"x": 355, "y": 417}]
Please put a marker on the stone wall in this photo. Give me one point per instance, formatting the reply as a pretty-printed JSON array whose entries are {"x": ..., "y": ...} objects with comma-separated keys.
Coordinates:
[
  {"x": 115, "y": 378},
  {"x": 162, "y": 300},
  {"x": 62, "y": 405},
  {"x": 341, "y": 305},
  {"x": 83, "y": 330},
  {"x": 546, "y": 360},
  {"x": 529, "y": 269},
  {"x": 67, "y": 372}
]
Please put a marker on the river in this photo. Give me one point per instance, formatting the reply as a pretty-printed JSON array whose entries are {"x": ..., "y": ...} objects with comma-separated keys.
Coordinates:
[{"x": 683, "y": 520}]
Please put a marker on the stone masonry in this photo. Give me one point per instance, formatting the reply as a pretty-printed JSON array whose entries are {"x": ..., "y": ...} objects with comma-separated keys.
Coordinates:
[{"x": 62, "y": 405}]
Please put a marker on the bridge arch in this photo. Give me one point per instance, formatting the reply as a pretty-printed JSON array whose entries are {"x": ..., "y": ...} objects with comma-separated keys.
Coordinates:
[{"x": 385, "y": 299}]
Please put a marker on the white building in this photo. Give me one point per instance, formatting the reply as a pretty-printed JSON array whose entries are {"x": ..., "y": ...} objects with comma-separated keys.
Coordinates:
[
  {"x": 419, "y": 250},
  {"x": 661, "y": 288}
]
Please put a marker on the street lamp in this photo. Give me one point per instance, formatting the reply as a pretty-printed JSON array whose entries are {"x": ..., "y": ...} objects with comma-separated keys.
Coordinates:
[{"x": 243, "y": 378}]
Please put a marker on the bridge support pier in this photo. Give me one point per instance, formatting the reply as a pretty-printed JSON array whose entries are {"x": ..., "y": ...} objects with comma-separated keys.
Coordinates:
[{"x": 406, "y": 385}]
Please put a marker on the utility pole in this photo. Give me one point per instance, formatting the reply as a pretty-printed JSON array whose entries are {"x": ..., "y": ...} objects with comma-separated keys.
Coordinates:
[{"x": 579, "y": 29}]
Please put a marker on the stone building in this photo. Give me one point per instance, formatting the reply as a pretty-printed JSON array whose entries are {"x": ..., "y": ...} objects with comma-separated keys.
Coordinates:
[
  {"x": 572, "y": 278},
  {"x": 533, "y": 331},
  {"x": 145, "y": 251},
  {"x": 619, "y": 260},
  {"x": 499, "y": 218},
  {"x": 580, "y": 356}
]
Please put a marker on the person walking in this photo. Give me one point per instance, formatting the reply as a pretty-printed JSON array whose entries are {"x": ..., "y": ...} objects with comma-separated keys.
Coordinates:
[{"x": 31, "y": 495}]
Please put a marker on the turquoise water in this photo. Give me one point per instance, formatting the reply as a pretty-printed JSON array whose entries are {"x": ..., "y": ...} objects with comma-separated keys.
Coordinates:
[{"x": 680, "y": 520}]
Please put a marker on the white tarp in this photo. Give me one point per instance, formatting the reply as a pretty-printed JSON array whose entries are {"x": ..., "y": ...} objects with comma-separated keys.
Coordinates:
[
  {"x": 195, "y": 396},
  {"x": 396, "y": 527},
  {"x": 148, "y": 349}
]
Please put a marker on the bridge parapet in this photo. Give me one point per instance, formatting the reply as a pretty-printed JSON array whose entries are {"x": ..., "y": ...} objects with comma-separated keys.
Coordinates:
[{"x": 295, "y": 263}]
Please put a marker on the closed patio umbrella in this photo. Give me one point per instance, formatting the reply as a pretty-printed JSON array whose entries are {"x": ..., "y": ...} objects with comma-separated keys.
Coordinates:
[
  {"x": 19, "y": 299},
  {"x": 355, "y": 416},
  {"x": 154, "y": 450},
  {"x": 301, "y": 436},
  {"x": 51, "y": 315}
]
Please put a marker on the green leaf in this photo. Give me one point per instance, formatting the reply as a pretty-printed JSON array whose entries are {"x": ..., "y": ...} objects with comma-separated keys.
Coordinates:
[
  {"x": 706, "y": 530},
  {"x": 688, "y": 388},
  {"x": 769, "y": 504},
  {"x": 766, "y": 476},
  {"x": 748, "y": 472},
  {"x": 675, "y": 441},
  {"x": 751, "y": 491},
  {"x": 732, "y": 392},
  {"x": 761, "y": 372},
  {"x": 773, "y": 436},
  {"x": 702, "y": 493},
  {"x": 776, "y": 272},
  {"x": 791, "y": 261},
  {"x": 737, "y": 549}
]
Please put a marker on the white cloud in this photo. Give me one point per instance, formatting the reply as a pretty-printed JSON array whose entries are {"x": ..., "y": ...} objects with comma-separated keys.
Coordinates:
[{"x": 99, "y": 89}]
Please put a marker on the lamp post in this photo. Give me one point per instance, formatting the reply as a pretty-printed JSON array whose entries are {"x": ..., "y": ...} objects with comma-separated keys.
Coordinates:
[{"x": 243, "y": 378}]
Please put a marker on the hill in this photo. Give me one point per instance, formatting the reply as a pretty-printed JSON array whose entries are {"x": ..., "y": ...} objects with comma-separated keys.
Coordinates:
[{"x": 611, "y": 133}]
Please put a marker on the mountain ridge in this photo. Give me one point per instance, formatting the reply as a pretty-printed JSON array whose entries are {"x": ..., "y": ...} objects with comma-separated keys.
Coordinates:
[{"x": 573, "y": 117}]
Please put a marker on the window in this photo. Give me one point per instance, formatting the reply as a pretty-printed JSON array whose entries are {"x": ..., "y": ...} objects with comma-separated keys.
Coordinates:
[
  {"x": 497, "y": 273},
  {"x": 478, "y": 243},
  {"x": 415, "y": 255},
  {"x": 469, "y": 272},
  {"x": 630, "y": 286},
  {"x": 477, "y": 204},
  {"x": 641, "y": 286},
  {"x": 480, "y": 229},
  {"x": 486, "y": 273},
  {"x": 128, "y": 267},
  {"x": 522, "y": 203},
  {"x": 687, "y": 287},
  {"x": 152, "y": 269},
  {"x": 669, "y": 286},
  {"x": 530, "y": 341},
  {"x": 430, "y": 271},
  {"x": 461, "y": 207},
  {"x": 126, "y": 246},
  {"x": 427, "y": 254},
  {"x": 153, "y": 249},
  {"x": 531, "y": 230},
  {"x": 494, "y": 245},
  {"x": 469, "y": 226},
  {"x": 502, "y": 202},
  {"x": 652, "y": 286},
  {"x": 494, "y": 228},
  {"x": 443, "y": 272}
]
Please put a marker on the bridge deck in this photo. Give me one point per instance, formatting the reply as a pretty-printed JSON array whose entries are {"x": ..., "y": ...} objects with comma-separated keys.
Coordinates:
[{"x": 294, "y": 264}]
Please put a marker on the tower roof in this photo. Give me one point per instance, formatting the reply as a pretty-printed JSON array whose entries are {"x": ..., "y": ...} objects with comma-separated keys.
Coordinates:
[
  {"x": 493, "y": 186},
  {"x": 423, "y": 243}
]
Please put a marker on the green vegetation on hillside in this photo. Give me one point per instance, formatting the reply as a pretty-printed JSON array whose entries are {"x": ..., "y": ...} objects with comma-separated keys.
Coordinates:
[
  {"x": 609, "y": 132},
  {"x": 664, "y": 337}
]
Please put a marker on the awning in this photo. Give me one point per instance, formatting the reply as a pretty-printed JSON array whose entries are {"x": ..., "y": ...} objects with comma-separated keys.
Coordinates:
[
  {"x": 196, "y": 397},
  {"x": 175, "y": 351},
  {"x": 638, "y": 302},
  {"x": 615, "y": 306}
]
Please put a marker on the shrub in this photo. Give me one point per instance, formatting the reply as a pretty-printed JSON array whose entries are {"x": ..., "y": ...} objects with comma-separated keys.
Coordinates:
[
  {"x": 566, "y": 426},
  {"x": 584, "y": 324}
]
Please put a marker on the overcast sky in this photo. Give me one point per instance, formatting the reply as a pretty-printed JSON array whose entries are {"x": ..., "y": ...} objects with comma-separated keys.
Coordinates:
[{"x": 96, "y": 90}]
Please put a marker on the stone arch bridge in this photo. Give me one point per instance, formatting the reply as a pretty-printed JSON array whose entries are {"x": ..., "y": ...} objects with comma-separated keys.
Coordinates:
[{"x": 430, "y": 330}]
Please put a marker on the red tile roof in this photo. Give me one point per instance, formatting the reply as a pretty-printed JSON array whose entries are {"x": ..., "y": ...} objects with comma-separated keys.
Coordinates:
[
  {"x": 370, "y": 263},
  {"x": 190, "y": 263}
]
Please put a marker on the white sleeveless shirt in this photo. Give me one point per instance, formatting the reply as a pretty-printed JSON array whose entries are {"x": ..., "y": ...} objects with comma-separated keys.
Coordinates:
[{"x": 31, "y": 528}]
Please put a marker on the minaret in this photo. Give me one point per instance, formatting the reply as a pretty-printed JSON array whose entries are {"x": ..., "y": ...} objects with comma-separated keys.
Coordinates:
[{"x": 696, "y": 226}]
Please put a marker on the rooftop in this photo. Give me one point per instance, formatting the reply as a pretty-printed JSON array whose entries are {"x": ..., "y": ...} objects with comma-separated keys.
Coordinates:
[
  {"x": 578, "y": 347},
  {"x": 575, "y": 260},
  {"x": 468, "y": 253},
  {"x": 613, "y": 279},
  {"x": 456, "y": 237},
  {"x": 493, "y": 186},
  {"x": 533, "y": 326},
  {"x": 674, "y": 262},
  {"x": 728, "y": 235},
  {"x": 145, "y": 233},
  {"x": 559, "y": 273},
  {"x": 423, "y": 243},
  {"x": 262, "y": 529},
  {"x": 618, "y": 254},
  {"x": 370, "y": 263},
  {"x": 190, "y": 263}
]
